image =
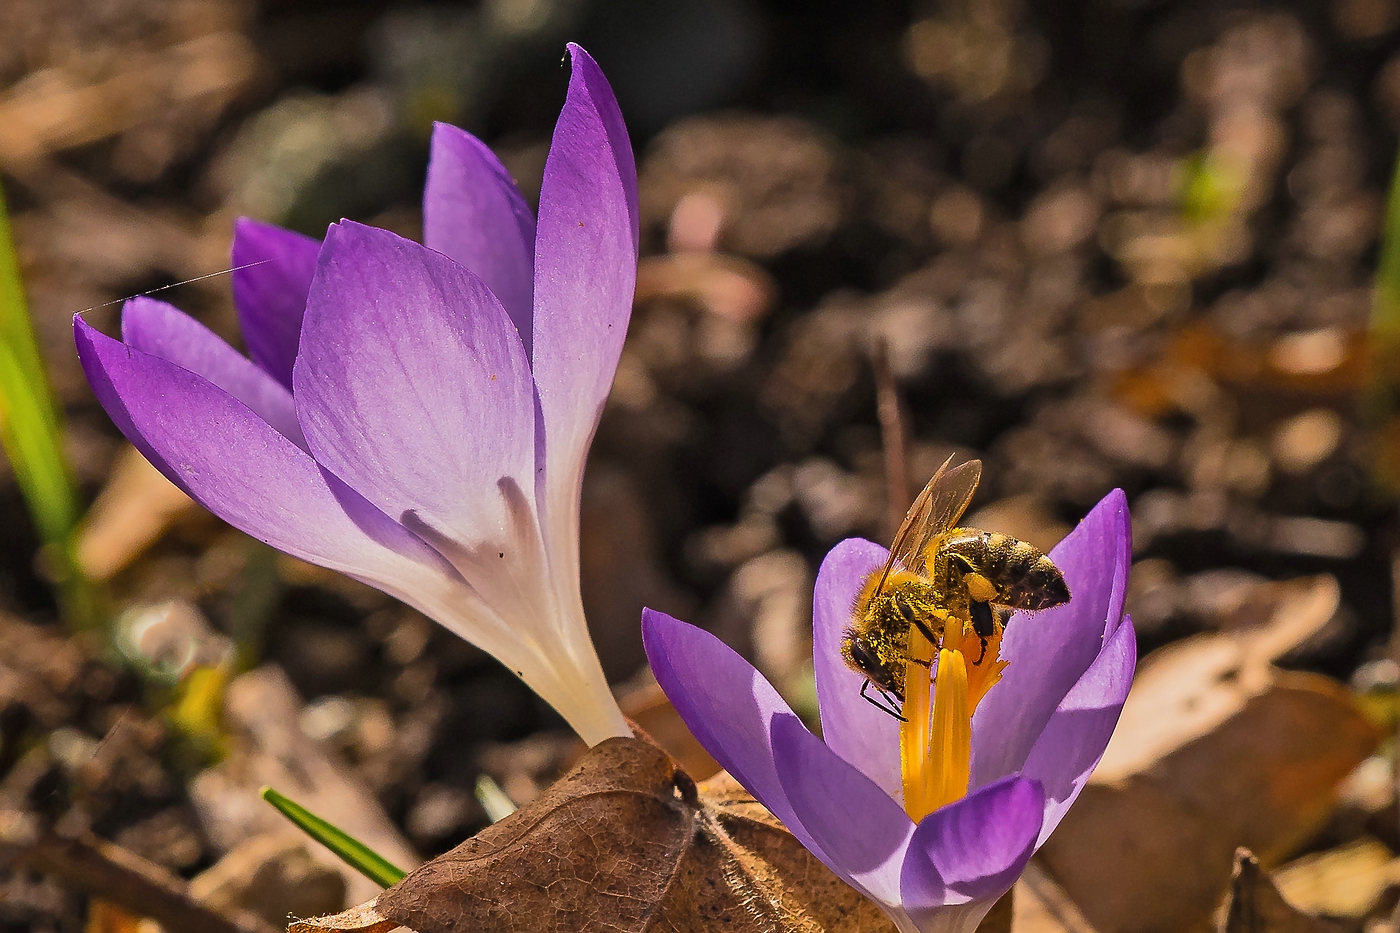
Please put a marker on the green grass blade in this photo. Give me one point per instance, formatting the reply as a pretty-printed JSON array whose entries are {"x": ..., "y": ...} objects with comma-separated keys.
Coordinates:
[
  {"x": 351, "y": 851},
  {"x": 1381, "y": 404},
  {"x": 1385, "y": 309},
  {"x": 494, "y": 801},
  {"x": 32, "y": 436}
]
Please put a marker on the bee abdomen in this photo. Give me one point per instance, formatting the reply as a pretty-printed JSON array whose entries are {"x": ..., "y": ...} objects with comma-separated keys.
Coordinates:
[
  {"x": 1032, "y": 580},
  {"x": 1024, "y": 577}
]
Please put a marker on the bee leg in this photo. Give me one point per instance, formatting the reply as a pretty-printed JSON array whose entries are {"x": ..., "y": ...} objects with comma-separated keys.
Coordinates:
[
  {"x": 926, "y": 631},
  {"x": 984, "y": 652},
  {"x": 887, "y": 707},
  {"x": 983, "y": 621}
]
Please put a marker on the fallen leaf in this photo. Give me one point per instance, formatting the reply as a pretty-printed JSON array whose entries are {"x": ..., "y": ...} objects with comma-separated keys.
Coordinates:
[
  {"x": 624, "y": 842},
  {"x": 1042, "y": 906},
  {"x": 106, "y": 917},
  {"x": 649, "y": 708},
  {"x": 1001, "y": 917},
  {"x": 1215, "y": 749},
  {"x": 1349, "y": 881},
  {"x": 131, "y": 513},
  {"x": 268, "y": 748},
  {"x": 272, "y": 875},
  {"x": 1254, "y": 904},
  {"x": 730, "y": 287}
]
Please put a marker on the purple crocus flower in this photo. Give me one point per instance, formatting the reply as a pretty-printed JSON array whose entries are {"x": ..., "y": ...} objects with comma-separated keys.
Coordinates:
[
  {"x": 417, "y": 416},
  {"x": 1035, "y": 735}
]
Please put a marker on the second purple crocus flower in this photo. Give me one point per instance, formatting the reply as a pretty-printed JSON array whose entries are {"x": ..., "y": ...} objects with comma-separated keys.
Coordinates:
[
  {"x": 1036, "y": 735},
  {"x": 417, "y": 416}
]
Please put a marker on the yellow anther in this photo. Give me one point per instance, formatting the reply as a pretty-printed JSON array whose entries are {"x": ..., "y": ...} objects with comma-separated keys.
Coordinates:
[{"x": 936, "y": 737}]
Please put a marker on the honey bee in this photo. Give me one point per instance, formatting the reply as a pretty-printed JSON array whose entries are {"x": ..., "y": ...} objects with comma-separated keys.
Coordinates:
[{"x": 939, "y": 575}]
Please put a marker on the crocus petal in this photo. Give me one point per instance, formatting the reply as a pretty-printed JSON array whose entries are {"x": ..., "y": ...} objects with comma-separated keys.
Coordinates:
[
  {"x": 863, "y": 735},
  {"x": 1074, "y": 740},
  {"x": 272, "y": 275},
  {"x": 474, "y": 213},
  {"x": 167, "y": 332},
  {"x": 860, "y": 828},
  {"x": 729, "y": 707},
  {"x": 969, "y": 853},
  {"x": 412, "y": 386},
  {"x": 585, "y": 272},
  {"x": 235, "y": 464},
  {"x": 1049, "y": 651}
]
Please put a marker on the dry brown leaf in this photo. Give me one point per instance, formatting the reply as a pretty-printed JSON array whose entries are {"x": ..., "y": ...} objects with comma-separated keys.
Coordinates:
[
  {"x": 623, "y": 842},
  {"x": 260, "y": 712},
  {"x": 647, "y": 707},
  {"x": 106, "y": 917},
  {"x": 130, "y": 515},
  {"x": 1001, "y": 917},
  {"x": 728, "y": 286},
  {"x": 1215, "y": 749},
  {"x": 1350, "y": 881},
  {"x": 1254, "y": 904},
  {"x": 1041, "y": 906}
]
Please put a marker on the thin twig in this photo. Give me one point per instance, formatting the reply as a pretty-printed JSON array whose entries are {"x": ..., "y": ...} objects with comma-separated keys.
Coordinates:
[
  {"x": 143, "y": 888},
  {"x": 1395, "y": 635},
  {"x": 893, "y": 437}
]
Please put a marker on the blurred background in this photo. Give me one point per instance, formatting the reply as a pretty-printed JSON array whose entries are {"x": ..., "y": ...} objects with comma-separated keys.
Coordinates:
[{"x": 1097, "y": 243}]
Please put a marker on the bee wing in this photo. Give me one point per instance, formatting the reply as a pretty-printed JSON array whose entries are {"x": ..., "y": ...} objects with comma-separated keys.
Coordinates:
[
  {"x": 941, "y": 503},
  {"x": 949, "y": 492}
]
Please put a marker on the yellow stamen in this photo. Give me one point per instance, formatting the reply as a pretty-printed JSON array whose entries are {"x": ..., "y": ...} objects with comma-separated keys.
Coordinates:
[
  {"x": 985, "y": 667},
  {"x": 914, "y": 731},
  {"x": 950, "y": 752},
  {"x": 936, "y": 738}
]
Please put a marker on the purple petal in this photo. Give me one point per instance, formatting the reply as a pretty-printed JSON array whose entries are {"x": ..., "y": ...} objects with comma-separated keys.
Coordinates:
[
  {"x": 728, "y": 706},
  {"x": 271, "y": 295},
  {"x": 971, "y": 851},
  {"x": 236, "y": 465},
  {"x": 413, "y": 387},
  {"x": 585, "y": 272},
  {"x": 861, "y": 734},
  {"x": 218, "y": 450},
  {"x": 167, "y": 332},
  {"x": 1074, "y": 740},
  {"x": 1049, "y": 651},
  {"x": 860, "y": 829},
  {"x": 412, "y": 384},
  {"x": 474, "y": 213}
]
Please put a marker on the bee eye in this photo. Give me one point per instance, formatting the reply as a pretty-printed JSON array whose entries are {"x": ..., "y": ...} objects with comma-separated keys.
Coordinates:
[{"x": 861, "y": 656}]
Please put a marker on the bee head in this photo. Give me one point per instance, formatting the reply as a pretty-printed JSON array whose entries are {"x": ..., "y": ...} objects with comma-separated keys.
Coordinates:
[{"x": 864, "y": 659}]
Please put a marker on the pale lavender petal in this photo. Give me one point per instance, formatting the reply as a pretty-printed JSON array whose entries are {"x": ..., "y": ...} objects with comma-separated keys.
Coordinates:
[
  {"x": 1049, "y": 651},
  {"x": 236, "y": 465},
  {"x": 169, "y": 333},
  {"x": 862, "y": 832},
  {"x": 474, "y": 213},
  {"x": 585, "y": 273},
  {"x": 863, "y": 735},
  {"x": 1074, "y": 740},
  {"x": 413, "y": 387},
  {"x": 270, "y": 292},
  {"x": 233, "y": 463},
  {"x": 728, "y": 706},
  {"x": 412, "y": 384},
  {"x": 971, "y": 851}
]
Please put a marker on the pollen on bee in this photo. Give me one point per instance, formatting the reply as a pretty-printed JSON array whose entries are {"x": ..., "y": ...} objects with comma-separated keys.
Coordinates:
[{"x": 980, "y": 588}]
